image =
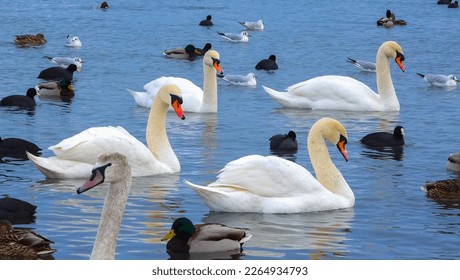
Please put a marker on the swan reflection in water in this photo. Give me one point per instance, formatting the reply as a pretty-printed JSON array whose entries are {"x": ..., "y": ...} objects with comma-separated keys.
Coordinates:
[{"x": 312, "y": 235}]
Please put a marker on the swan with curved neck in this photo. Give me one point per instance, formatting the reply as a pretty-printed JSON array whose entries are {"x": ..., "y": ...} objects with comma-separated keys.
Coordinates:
[
  {"x": 113, "y": 168},
  {"x": 345, "y": 93},
  {"x": 195, "y": 99},
  {"x": 75, "y": 156},
  {"x": 275, "y": 185}
]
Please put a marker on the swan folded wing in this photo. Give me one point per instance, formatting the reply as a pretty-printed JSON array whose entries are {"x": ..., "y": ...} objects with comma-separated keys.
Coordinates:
[
  {"x": 335, "y": 92},
  {"x": 191, "y": 93},
  {"x": 265, "y": 177}
]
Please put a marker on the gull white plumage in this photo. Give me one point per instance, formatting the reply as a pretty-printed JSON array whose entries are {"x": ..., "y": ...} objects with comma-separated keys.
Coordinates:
[
  {"x": 272, "y": 184},
  {"x": 345, "y": 93},
  {"x": 243, "y": 37},
  {"x": 195, "y": 99},
  {"x": 75, "y": 156},
  {"x": 64, "y": 62},
  {"x": 253, "y": 25},
  {"x": 73, "y": 42},
  {"x": 362, "y": 65},
  {"x": 241, "y": 80},
  {"x": 440, "y": 80}
]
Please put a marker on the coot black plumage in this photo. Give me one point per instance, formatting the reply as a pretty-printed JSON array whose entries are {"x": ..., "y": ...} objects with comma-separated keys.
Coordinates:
[
  {"x": 17, "y": 211},
  {"x": 385, "y": 139},
  {"x": 267, "y": 64},
  {"x": 207, "y": 21},
  {"x": 17, "y": 147},
  {"x": 284, "y": 142},
  {"x": 58, "y": 73},
  {"x": 26, "y": 101}
]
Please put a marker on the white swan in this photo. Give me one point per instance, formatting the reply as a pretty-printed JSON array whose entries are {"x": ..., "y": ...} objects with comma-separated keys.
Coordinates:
[
  {"x": 345, "y": 93},
  {"x": 75, "y": 156},
  {"x": 275, "y": 185},
  {"x": 196, "y": 99},
  {"x": 113, "y": 168}
]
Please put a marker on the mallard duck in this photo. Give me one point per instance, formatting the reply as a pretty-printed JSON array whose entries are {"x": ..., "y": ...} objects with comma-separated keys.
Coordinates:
[
  {"x": 17, "y": 211},
  {"x": 17, "y": 147},
  {"x": 62, "y": 88},
  {"x": 203, "y": 51},
  {"x": 453, "y": 162},
  {"x": 207, "y": 21},
  {"x": 284, "y": 142},
  {"x": 267, "y": 64},
  {"x": 58, "y": 73},
  {"x": 24, "y": 101},
  {"x": 30, "y": 40},
  {"x": 443, "y": 189},
  {"x": 185, "y": 237},
  {"x": 385, "y": 139},
  {"x": 22, "y": 243},
  {"x": 189, "y": 52}
]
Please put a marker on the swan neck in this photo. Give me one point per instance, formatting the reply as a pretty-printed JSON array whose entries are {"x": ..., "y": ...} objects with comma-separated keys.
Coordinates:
[
  {"x": 209, "y": 103},
  {"x": 326, "y": 171},
  {"x": 156, "y": 137},
  {"x": 111, "y": 217},
  {"x": 385, "y": 86}
]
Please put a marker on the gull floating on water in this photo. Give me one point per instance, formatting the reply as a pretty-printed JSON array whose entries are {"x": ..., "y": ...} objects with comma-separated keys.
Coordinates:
[
  {"x": 64, "y": 62},
  {"x": 253, "y": 25},
  {"x": 440, "y": 80},
  {"x": 241, "y": 80},
  {"x": 73, "y": 42},
  {"x": 242, "y": 37},
  {"x": 362, "y": 65}
]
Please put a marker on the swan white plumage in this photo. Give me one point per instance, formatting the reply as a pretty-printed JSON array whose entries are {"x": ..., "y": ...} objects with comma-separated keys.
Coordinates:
[
  {"x": 75, "y": 156},
  {"x": 113, "y": 168},
  {"x": 345, "y": 93},
  {"x": 272, "y": 184},
  {"x": 195, "y": 99}
]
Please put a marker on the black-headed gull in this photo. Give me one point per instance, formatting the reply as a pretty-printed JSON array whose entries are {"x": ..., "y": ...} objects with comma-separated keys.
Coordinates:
[
  {"x": 253, "y": 25},
  {"x": 73, "y": 42},
  {"x": 362, "y": 65},
  {"x": 64, "y": 62},
  {"x": 242, "y": 37},
  {"x": 440, "y": 80},
  {"x": 241, "y": 80}
]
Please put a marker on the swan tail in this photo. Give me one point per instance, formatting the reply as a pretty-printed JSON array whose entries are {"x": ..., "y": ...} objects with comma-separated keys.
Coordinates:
[
  {"x": 142, "y": 98},
  {"x": 421, "y": 75},
  {"x": 56, "y": 168}
]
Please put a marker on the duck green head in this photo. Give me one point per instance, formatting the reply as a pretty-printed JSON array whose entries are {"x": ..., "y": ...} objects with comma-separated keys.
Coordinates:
[
  {"x": 190, "y": 49},
  {"x": 182, "y": 228}
]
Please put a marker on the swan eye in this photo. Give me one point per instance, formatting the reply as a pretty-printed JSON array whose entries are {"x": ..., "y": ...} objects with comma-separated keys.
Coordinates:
[{"x": 175, "y": 98}]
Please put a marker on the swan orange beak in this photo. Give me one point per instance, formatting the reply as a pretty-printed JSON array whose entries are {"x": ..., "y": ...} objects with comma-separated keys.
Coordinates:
[
  {"x": 341, "y": 147},
  {"x": 169, "y": 235},
  {"x": 176, "y": 104},
  {"x": 216, "y": 64},
  {"x": 399, "y": 60}
]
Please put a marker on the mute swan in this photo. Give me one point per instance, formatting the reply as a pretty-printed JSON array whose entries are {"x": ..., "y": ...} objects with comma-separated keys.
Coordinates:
[
  {"x": 113, "y": 168},
  {"x": 185, "y": 237},
  {"x": 385, "y": 139},
  {"x": 345, "y": 93},
  {"x": 207, "y": 21},
  {"x": 275, "y": 185},
  {"x": 253, "y": 25},
  {"x": 267, "y": 64},
  {"x": 284, "y": 142},
  {"x": 23, "y": 243},
  {"x": 58, "y": 73},
  {"x": 24, "y": 101},
  {"x": 196, "y": 99},
  {"x": 75, "y": 156}
]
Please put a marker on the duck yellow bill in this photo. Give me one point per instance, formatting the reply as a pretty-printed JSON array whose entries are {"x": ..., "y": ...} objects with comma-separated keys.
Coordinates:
[{"x": 169, "y": 235}]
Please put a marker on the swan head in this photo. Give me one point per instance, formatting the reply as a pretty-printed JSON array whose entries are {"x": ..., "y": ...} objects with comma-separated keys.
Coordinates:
[
  {"x": 172, "y": 95},
  {"x": 182, "y": 227},
  {"x": 212, "y": 59},
  {"x": 394, "y": 50},
  {"x": 333, "y": 131},
  {"x": 112, "y": 167}
]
